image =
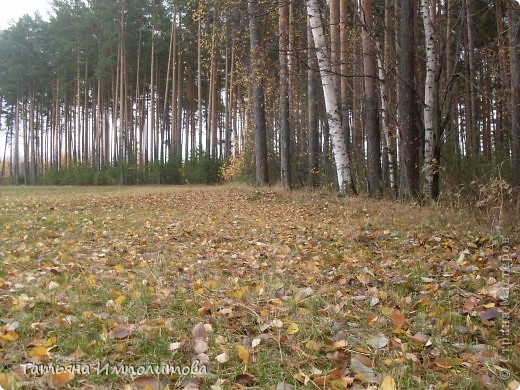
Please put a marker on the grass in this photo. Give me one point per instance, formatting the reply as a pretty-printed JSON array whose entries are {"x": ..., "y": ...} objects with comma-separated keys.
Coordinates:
[{"x": 78, "y": 263}]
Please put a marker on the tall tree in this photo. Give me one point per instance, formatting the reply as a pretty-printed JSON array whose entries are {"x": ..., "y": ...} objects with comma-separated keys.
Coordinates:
[
  {"x": 285, "y": 140},
  {"x": 515, "y": 84},
  {"x": 431, "y": 99},
  {"x": 407, "y": 113},
  {"x": 371, "y": 110},
  {"x": 313, "y": 161},
  {"x": 262, "y": 174},
  {"x": 331, "y": 100}
]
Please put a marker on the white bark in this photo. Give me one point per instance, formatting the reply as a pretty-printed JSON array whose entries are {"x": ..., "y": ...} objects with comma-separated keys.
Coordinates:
[
  {"x": 332, "y": 105},
  {"x": 429, "y": 98}
]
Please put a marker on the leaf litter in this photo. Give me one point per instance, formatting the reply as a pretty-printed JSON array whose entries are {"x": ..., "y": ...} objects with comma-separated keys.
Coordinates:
[{"x": 268, "y": 289}]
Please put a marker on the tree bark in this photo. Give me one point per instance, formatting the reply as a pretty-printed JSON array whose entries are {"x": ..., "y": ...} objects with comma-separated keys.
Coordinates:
[
  {"x": 262, "y": 175},
  {"x": 285, "y": 140},
  {"x": 331, "y": 100},
  {"x": 374, "y": 173},
  {"x": 407, "y": 115},
  {"x": 515, "y": 95},
  {"x": 431, "y": 124},
  {"x": 313, "y": 160}
]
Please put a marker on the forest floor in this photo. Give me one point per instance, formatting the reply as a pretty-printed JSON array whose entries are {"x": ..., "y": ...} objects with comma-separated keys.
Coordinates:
[{"x": 271, "y": 290}]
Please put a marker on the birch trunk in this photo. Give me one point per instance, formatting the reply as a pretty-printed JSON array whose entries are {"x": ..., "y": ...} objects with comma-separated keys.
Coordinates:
[
  {"x": 430, "y": 164},
  {"x": 331, "y": 100}
]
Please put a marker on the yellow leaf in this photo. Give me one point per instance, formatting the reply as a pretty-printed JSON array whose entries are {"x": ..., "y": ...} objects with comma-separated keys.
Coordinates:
[
  {"x": 91, "y": 280},
  {"x": 119, "y": 268},
  {"x": 388, "y": 383},
  {"x": 363, "y": 278},
  {"x": 38, "y": 352},
  {"x": 61, "y": 379},
  {"x": 387, "y": 310},
  {"x": 243, "y": 354},
  {"x": 489, "y": 305},
  {"x": 10, "y": 336},
  {"x": 7, "y": 381},
  {"x": 120, "y": 299},
  {"x": 293, "y": 328},
  {"x": 312, "y": 345},
  {"x": 50, "y": 342}
]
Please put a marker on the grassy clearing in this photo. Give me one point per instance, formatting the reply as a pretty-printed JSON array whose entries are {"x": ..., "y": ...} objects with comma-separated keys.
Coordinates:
[{"x": 321, "y": 292}]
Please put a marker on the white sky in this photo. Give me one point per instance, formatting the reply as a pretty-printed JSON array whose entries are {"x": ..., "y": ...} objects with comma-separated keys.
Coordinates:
[{"x": 12, "y": 10}]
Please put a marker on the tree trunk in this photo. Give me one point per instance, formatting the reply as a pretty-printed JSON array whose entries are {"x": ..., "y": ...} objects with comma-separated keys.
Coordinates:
[
  {"x": 374, "y": 173},
  {"x": 262, "y": 175},
  {"x": 312, "y": 107},
  {"x": 285, "y": 140},
  {"x": 331, "y": 100},
  {"x": 407, "y": 115},
  {"x": 515, "y": 95},
  {"x": 430, "y": 100},
  {"x": 474, "y": 133}
]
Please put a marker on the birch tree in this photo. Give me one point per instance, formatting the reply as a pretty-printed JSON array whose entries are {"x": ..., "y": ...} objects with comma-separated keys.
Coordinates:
[
  {"x": 332, "y": 105},
  {"x": 430, "y": 99}
]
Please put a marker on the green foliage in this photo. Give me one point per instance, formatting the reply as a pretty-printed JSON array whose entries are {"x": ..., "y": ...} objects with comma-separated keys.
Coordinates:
[
  {"x": 203, "y": 169},
  {"x": 199, "y": 169}
]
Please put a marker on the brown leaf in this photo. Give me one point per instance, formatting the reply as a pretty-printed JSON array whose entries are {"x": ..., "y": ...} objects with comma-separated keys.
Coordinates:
[
  {"x": 119, "y": 332},
  {"x": 245, "y": 380},
  {"x": 146, "y": 382},
  {"x": 447, "y": 363},
  {"x": 199, "y": 331},
  {"x": 193, "y": 384},
  {"x": 199, "y": 345},
  {"x": 61, "y": 379},
  {"x": 490, "y": 314},
  {"x": 398, "y": 319},
  {"x": 362, "y": 366}
]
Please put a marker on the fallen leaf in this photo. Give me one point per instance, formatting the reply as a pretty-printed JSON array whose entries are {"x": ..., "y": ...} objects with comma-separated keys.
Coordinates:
[
  {"x": 277, "y": 323},
  {"x": 61, "y": 379},
  {"x": 378, "y": 341},
  {"x": 490, "y": 314},
  {"x": 119, "y": 332},
  {"x": 146, "y": 383},
  {"x": 398, "y": 319},
  {"x": 388, "y": 383},
  {"x": 7, "y": 381},
  {"x": 283, "y": 386},
  {"x": 243, "y": 354},
  {"x": 199, "y": 330},
  {"x": 222, "y": 358},
  {"x": 199, "y": 345},
  {"x": 293, "y": 328},
  {"x": 362, "y": 366},
  {"x": 245, "y": 380},
  {"x": 193, "y": 384},
  {"x": 256, "y": 342}
]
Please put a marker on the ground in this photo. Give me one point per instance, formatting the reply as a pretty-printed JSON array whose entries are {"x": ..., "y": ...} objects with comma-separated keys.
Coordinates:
[{"x": 299, "y": 290}]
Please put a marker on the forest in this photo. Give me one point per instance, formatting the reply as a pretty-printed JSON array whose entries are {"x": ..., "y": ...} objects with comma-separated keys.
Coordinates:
[{"x": 409, "y": 99}]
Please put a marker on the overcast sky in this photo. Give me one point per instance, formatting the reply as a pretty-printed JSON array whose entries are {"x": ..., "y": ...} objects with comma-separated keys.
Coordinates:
[{"x": 13, "y": 9}]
